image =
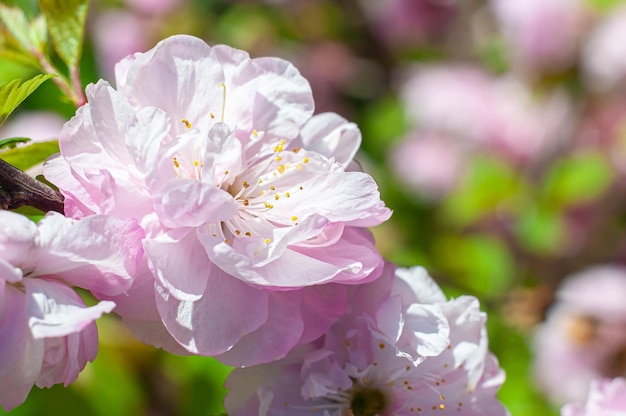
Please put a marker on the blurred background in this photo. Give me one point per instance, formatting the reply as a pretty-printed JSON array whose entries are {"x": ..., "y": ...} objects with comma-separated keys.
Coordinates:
[{"x": 496, "y": 130}]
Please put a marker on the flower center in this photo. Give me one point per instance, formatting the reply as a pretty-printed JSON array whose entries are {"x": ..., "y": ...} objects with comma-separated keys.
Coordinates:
[{"x": 368, "y": 402}]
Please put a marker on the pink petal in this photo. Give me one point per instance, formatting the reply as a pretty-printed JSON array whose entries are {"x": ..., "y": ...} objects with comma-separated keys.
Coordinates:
[{"x": 228, "y": 310}]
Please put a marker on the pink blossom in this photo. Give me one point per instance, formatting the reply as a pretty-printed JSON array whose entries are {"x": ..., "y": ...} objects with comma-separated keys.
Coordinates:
[
  {"x": 409, "y": 22},
  {"x": 497, "y": 114},
  {"x": 606, "y": 398},
  {"x": 604, "y": 58},
  {"x": 244, "y": 196},
  {"x": 403, "y": 349},
  {"x": 430, "y": 164},
  {"x": 47, "y": 334},
  {"x": 584, "y": 336},
  {"x": 39, "y": 126},
  {"x": 543, "y": 35}
]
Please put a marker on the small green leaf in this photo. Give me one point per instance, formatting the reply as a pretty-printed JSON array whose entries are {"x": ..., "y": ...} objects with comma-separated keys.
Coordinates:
[
  {"x": 66, "y": 24},
  {"x": 28, "y": 156},
  {"x": 605, "y": 5},
  {"x": 478, "y": 263},
  {"x": 11, "y": 142},
  {"x": 488, "y": 184},
  {"x": 17, "y": 25},
  {"x": 14, "y": 92},
  {"x": 541, "y": 229},
  {"x": 578, "y": 179}
]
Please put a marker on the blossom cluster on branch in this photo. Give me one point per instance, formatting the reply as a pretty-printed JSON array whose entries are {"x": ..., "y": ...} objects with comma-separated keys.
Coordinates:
[{"x": 220, "y": 217}]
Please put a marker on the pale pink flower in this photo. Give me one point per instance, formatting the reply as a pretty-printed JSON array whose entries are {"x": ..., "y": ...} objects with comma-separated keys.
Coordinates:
[
  {"x": 403, "y": 23},
  {"x": 47, "y": 334},
  {"x": 604, "y": 58},
  {"x": 39, "y": 126},
  {"x": 542, "y": 35},
  {"x": 584, "y": 336},
  {"x": 244, "y": 196},
  {"x": 403, "y": 349},
  {"x": 498, "y": 114},
  {"x": 607, "y": 397},
  {"x": 430, "y": 164}
]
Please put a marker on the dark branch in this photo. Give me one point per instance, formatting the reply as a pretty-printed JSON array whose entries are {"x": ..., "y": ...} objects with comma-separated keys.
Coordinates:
[{"x": 18, "y": 189}]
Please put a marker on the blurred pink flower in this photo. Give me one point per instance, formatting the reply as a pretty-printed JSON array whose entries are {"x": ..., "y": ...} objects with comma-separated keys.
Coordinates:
[
  {"x": 403, "y": 349},
  {"x": 117, "y": 34},
  {"x": 604, "y": 57},
  {"x": 606, "y": 398},
  {"x": 430, "y": 164},
  {"x": 47, "y": 334},
  {"x": 584, "y": 336},
  {"x": 155, "y": 7},
  {"x": 404, "y": 23},
  {"x": 542, "y": 35},
  {"x": 243, "y": 195},
  {"x": 39, "y": 126},
  {"x": 497, "y": 114}
]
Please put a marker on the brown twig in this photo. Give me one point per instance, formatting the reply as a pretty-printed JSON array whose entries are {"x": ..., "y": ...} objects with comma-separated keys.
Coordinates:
[{"x": 18, "y": 189}]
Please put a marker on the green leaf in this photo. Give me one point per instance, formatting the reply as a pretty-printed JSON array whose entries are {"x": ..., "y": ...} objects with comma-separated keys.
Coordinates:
[
  {"x": 578, "y": 179},
  {"x": 487, "y": 186},
  {"x": 17, "y": 24},
  {"x": 66, "y": 24},
  {"x": 605, "y": 5},
  {"x": 479, "y": 263},
  {"x": 28, "y": 156},
  {"x": 29, "y": 36},
  {"x": 541, "y": 229},
  {"x": 11, "y": 142},
  {"x": 14, "y": 92}
]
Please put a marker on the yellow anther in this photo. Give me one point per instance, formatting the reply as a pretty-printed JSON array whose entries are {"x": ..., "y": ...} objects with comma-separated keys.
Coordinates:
[
  {"x": 212, "y": 115},
  {"x": 255, "y": 133},
  {"x": 276, "y": 197},
  {"x": 279, "y": 158},
  {"x": 245, "y": 184},
  {"x": 280, "y": 168},
  {"x": 267, "y": 241},
  {"x": 227, "y": 241},
  {"x": 186, "y": 123},
  {"x": 176, "y": 164},
  {"x": 305, "y": 160},
  {"x": 442, "y": 398},
  {"x": 299, "y": 166},
  {"x": 246, "y": 202},
  {"x": 294, "y": 218},
  {"x": 260, "y": 181},
  {"x": 268, "y": 205},
  {"x": 441, "y": 407},
  {"x": 287, "y": 194},
  {"x": 237, "y": 232},
  {"x": 196, "y": 163},
  {"x": 225, "y": 172},
  {"x": 262, "y": 192},
  {"x": 273, "y": 188}
]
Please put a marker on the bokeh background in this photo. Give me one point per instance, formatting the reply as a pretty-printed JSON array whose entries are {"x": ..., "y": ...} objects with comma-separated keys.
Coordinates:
[{"x": 496, "y": 130}]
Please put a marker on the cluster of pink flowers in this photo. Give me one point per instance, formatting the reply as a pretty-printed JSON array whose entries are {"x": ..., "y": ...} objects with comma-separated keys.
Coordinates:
[
  {"x": 225, "y": 219},
  {"x": 47, "y": 334},
  {"x": 402, "y": 349}
]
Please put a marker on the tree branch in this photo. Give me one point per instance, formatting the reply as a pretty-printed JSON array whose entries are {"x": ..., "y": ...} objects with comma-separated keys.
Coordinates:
[{"x": 18, "y": 189}]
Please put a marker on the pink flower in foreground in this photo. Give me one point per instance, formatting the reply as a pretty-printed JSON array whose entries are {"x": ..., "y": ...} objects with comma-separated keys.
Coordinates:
[
  {"x": 584, "y": 337},
  {"x": 402, "y": 350},
  {"x": 47, "y": 334},
  {"x": 245, "y": 198},
  {"x": 606, "y": 398}
]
